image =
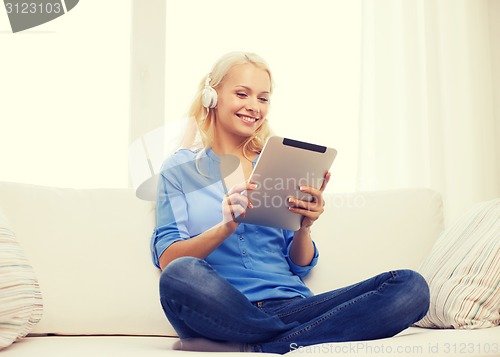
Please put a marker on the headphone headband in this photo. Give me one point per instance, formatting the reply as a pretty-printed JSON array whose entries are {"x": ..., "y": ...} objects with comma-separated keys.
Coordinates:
[{"x": 207, "y": 80}]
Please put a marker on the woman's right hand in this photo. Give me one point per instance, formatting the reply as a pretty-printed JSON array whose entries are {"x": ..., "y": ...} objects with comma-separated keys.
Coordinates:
[{"x": 235, "y": 204}]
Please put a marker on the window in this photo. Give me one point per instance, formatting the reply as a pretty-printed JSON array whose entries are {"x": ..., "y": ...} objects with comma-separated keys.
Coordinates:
[{"x": 64, "y": 112}]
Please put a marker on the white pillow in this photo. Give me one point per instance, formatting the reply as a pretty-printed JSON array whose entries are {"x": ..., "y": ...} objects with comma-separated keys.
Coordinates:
[
  {"x": 20, "y": 297},
  {"x": 463, "y": 272}
]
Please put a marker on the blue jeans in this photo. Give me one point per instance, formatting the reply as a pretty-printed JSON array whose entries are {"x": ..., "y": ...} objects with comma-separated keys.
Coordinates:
[{"x": 198, "y": 302}]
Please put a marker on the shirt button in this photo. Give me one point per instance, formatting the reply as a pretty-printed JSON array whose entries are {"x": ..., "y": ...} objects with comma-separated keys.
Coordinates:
[
  {"x": 244, "y": 252},
  {"x": 241, "y": 238}
]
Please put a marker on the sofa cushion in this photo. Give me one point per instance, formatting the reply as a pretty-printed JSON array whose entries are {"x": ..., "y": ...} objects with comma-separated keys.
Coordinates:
[
  {"x": 463, "y": 272},
  {"x": 20, "y": 296},
  {"x": 90, "y": 249},
  {"x": 412, "y": 342},
  {"x": 365, "y": 233}
]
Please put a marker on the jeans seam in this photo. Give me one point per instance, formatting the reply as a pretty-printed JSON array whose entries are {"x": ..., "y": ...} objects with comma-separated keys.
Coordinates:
[
  {"x": 325, "y": 317},
  {"x": 196, "y": 311},
  {"x": 210, "y": 318},
  {"x": 340, "y": 308},
  {"x": 304, "y": 307},
  {"x": 391, "y": 279}
]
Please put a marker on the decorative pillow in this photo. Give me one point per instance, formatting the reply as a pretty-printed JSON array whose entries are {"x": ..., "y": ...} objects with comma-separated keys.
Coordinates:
[
  {"x": 463, "y": 272},
  {"x": 20, "y": 297}
]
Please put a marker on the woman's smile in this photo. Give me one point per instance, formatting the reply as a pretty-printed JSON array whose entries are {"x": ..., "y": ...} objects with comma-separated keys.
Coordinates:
[{"x": 246, "y": 119}]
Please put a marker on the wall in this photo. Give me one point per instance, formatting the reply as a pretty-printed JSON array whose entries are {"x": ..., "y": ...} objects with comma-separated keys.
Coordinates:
[{"x": 494, "y": 7}]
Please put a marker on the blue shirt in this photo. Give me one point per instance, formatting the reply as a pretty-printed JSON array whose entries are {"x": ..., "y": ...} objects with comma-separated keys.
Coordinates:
[{"x": 254, "y": 259}]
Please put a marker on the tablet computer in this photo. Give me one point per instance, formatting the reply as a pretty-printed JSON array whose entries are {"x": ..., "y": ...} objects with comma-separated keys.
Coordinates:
[{"x": 282, "y": 167}]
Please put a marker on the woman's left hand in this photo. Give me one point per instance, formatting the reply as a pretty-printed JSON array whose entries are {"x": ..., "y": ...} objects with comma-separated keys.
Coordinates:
[{"x": 311, "y": 210}]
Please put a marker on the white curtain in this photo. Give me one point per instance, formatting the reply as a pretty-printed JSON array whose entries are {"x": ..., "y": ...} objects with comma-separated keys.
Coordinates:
[{"x": 429, "y": 92}]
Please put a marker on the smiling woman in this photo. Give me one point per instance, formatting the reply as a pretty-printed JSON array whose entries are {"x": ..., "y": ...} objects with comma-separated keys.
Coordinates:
[
  {"x": 246, "y": 102},
  {"x": 244, "y": 95},
  {"x": 246, "y": 280}
]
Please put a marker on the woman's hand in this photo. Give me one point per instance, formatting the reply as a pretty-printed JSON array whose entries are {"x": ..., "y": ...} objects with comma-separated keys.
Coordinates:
[
  {"x": 235, "y": 204},
  {"x": 201, "y": 246},
  {"x": 310, "y": 210}
]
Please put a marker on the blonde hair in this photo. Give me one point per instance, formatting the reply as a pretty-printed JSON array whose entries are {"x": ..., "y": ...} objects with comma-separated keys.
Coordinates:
[{"x": 205, "y": 118}]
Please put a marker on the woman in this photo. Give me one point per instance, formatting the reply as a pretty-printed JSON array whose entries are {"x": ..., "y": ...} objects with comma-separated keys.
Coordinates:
[{"x": 228, "y": 286}]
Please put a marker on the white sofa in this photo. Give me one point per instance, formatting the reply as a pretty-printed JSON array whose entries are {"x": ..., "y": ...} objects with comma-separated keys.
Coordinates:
[{"x": 90, "y": 252}]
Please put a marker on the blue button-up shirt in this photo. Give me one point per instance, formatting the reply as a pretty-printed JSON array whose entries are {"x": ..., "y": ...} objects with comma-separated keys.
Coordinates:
[{"x": 254, "y": 259}]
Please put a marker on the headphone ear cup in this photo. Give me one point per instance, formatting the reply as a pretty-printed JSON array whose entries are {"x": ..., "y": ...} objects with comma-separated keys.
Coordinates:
[{"x": 209, "y": 97}]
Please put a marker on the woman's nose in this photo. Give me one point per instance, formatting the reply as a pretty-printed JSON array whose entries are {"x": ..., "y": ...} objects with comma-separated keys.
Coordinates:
[{"x": 253, "y": 106}]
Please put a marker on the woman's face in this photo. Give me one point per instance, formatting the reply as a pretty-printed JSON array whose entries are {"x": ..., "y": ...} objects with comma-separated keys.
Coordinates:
[{"x": 243, "y": 101}]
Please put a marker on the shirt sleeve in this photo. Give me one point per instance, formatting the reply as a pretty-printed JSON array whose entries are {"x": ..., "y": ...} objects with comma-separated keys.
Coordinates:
[
  {"x": 171, "y": 211},
  {"x": 298, "y": 270}
]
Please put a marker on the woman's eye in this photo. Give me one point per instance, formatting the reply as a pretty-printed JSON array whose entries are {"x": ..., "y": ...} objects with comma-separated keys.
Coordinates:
[
  {"x": 241, "y": 95},
  {"x": 264, "y": 99}
]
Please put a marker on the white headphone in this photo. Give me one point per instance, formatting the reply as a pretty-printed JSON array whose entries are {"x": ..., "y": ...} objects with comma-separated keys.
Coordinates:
[{"x": 208, "y": 95}]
